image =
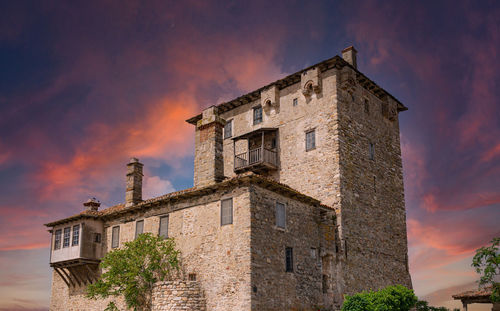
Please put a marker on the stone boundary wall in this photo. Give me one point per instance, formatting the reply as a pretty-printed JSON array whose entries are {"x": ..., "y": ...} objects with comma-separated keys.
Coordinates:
[{"x": 178, "y": 295}]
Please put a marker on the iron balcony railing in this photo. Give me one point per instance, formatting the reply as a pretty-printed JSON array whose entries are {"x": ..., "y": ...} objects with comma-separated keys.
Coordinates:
[{"x": 255, "y": 157}]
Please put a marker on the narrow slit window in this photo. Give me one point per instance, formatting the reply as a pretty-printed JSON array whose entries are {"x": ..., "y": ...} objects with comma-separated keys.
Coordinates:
[
  {"x": 295, "y": 102},
  {"x": 115, "y": 237},
  {"x": 66, "y": 237},
  {"x": 164, "y": 226},
  {"x": 57, "y": 239},
  {"x": 76, "y": 235},
  {"x": 226, "y": 212},
  {"x": 228, "y": 129},
  {"x": 367, "y": 106},
  {"x": 280, "y": 215},
  {"x": 310, "y": 140},
  {"x": 372, "y": 151},
  {"x": 139, "y": 228},
  {"x": 289, "y": 259},
  {"x": 257, "y": 115}
]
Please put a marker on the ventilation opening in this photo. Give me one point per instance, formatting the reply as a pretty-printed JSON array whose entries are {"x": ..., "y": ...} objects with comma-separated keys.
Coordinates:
[{"x": 192, "y": 276}]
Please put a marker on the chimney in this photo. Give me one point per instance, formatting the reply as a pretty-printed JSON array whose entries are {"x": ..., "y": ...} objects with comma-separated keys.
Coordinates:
[
  {"x": 92, "y": 204},
  {"x": 208, "y": 157},
  {"x": 133, "y": 194},
  {"x": 349, "y": 55}
]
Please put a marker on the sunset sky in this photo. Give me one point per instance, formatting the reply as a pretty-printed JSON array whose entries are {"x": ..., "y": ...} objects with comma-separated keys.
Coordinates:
[{"x": 85, "y": 85}]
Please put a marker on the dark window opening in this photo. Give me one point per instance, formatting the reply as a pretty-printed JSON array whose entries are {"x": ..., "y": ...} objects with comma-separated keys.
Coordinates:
[
  {"x": 66, "y": 237},
  {"x": 367, "y": 107},
  {"x": 97, "y": 238},
  {"x": 228, "y": 129},
  {"x": 226, "y": 212},
  {"x": 76, "y": 235},
  {"x": 295, "y": 102},
  {"x": 257, "y": 115},
  {"x": 280, "y": 215},
  {"x": 325, "y": 283},
  {"x": 289, "y": 259},
  {"x": 310, "y": 140},
  {"x": 192, "y": 276},
  {"x": 273, "y": 143}
]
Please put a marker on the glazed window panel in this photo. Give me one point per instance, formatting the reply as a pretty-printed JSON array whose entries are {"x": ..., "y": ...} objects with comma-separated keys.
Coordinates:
[
  {"x": 228, "y": 129},
  {"x": 139, "y": 228},
  {"x": 280, "y": 215},
  {"x": 163, "y": 231},
  {"x": 226, "y": 212},
  {"x": 57, "y": 239},
  {"x": 310, "y": 140},
  {"x": 257, "y": 115},
  {"x": 295, "y": 102},
  {"x": 76, "y": 235},
  {"x": 115, "y": 237},
  {"x": 66, "y": 236},
  {"x": 289, "y": 259}
]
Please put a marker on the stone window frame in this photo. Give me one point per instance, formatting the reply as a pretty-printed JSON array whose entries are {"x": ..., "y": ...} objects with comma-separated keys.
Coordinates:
[
  {"x": 57, "y": 239},
  {"x": 115, "y": 237},
  {"x": 75, "y": 239},
  {"x": 276, "y": 224},
  {"x": 289, "y": 259},
  {"x": 295, "y": 102},
  {"x": 66, "y": 237},
  {"x": 308, "y": 132},
  {"x": 167, "y": 217},
  {"x": 259, "y": 119},
  {"x": 229, "y": 124},
  {"x": 139, "y": 224},
  {"x": 224, "y": 219}
]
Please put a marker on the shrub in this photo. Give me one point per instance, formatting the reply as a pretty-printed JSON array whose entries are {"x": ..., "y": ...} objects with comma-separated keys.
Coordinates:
[{"x": 391, "y": 298}]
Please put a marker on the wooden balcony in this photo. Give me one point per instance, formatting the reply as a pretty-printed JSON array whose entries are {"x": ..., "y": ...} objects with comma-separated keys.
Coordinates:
[{"x": 256, "y": 159}]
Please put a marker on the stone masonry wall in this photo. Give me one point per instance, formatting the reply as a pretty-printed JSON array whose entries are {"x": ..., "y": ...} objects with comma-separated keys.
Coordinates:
[
  {"x": 178, "y": 295},
  {"x": 372, "y": 209}
]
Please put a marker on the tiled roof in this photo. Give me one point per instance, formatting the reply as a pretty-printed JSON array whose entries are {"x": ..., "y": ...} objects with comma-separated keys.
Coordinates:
[
  {"x": 241, "y": 179},
  {"x": 482, "y": 292}
]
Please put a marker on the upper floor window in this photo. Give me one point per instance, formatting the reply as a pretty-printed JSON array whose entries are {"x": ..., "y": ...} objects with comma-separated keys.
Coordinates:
[
  {"x": 76, "y": 235},
  {"x": 66, "y": 237},
  {"x": 310, "y": 140},
  {"x": 163, "y": 231},
  {"x": 139, "y": 228},
  {"x": 57, "y": 239},
  {"x": 367, "y": 106},
  {"x": 295, "y": 102},
  {"x": 289, "y": 259},
  {"x": 372, "y": 151},
  {"x": 257, "y": 115},
  {"x": 280, "y": 215},
  {"x": 226, "y": 212},
  {"x": 228, "y": 129},
  {"x": 115, "y": 237}
]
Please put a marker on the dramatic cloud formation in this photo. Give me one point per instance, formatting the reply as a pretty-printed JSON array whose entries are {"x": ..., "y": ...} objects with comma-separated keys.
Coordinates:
[{"x": 84, "y": 86}]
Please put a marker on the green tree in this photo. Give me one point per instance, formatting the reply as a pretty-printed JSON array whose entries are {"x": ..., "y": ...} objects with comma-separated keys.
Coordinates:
[
  {"x": 133, "y": 270},
  {"x": 391, "y": 298},
  {"x": 487, "y": 264}
]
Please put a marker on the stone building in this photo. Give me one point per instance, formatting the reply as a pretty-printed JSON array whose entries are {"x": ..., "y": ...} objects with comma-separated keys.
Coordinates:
[{"x": 298, "y": 200}]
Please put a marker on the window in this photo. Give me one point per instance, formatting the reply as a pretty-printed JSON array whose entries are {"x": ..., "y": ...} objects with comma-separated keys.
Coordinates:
[
  {"x": 372, "y": 151},
  {"x": 310, "y": 140},
  {"x": 139, "y": 228},
  {"x": 228, "y": 129},
  {"x": 192, "y": 276},
  {"x": 163, "y": 226},
  {"x": 280, "y": 215},
  {"x": 273, "y": 143},
  {"x": 57, "y": 239},
  {"x": 97, "y": 237},
  {"x": 115, "y": 237},
  {"x": 67, "y": 234},
  {"x": 295, "y": 102},
  {"x": 313, "y": 253},
  {"x": 226, "y": 212},
  {"x": 257, "y": 115},
  {"x": 289, "y": 259},
  {"x": 76, "y": 235},
  {"x": 367, "y": 107}
]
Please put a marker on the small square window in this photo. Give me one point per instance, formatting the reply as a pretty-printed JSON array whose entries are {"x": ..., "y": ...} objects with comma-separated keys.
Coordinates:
[
  {"x": 310, "y": 140},
  {"x": 257, "y": 115},
  {"x": 226, "y": 212},
  {"x": 280, "y": 215},
  {"x": 57, "y": 239},
  {"x": 295, "y": 102},
  {"x": 163, "y": 226},
  {"x": 228, "y": 129},
  {"x": 139, "y": 228},
  {"x": 372, "y": 151},
  {"x": 76, "y": 235},
  {"x": 289, "y": 259},
  {"x": 66, "y": 237},
  {"x": 115, "y": 237}
]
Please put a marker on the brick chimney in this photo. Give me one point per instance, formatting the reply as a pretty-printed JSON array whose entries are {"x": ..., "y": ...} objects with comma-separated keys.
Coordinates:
[
  {"x": 92, "y": 204},
  {"x": 349, "y": 55},
  {"x": 208, "y": 158},
  {"x": 133, "y": 194}
]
